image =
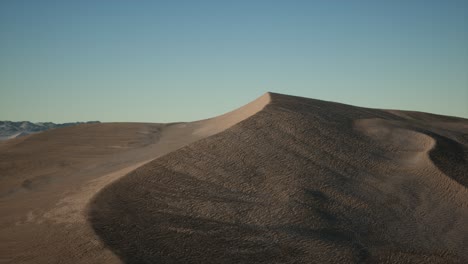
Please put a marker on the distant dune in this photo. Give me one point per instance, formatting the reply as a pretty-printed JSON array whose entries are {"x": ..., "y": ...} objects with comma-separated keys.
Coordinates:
[{"x": 283, "y": 179}]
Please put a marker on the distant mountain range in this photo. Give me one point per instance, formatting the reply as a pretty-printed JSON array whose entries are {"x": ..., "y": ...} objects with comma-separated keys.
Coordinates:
[{"x": 10, "y": 129}]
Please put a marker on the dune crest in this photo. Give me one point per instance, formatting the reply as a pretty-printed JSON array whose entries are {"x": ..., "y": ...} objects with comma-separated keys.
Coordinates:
[{"x": 217, "y": 124}]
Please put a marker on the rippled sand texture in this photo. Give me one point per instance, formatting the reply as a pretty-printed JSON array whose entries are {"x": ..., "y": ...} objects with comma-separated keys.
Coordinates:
[{"x": 297, "y": 180}]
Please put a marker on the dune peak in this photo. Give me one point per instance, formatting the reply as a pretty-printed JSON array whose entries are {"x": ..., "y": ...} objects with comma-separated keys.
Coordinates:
[{"x": 220, "y": 123}]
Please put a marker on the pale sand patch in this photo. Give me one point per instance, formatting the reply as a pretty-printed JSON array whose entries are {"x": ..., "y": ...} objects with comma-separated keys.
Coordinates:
[{"x": 71, "y": 208}]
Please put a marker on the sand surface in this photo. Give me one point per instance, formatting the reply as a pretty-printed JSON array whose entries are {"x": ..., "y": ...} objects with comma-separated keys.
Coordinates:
[{"x": 281, "y": 180}]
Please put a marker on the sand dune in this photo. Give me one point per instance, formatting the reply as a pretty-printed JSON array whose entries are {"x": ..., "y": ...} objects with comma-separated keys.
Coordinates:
[
  {"x": 281, "y": 180},
  {"x": 46, "y": 181},
  {"x": 301, "y": 181}
]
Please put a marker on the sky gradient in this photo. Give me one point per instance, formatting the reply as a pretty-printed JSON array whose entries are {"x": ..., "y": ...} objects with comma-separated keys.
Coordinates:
[{"x": 166, "y": 61}]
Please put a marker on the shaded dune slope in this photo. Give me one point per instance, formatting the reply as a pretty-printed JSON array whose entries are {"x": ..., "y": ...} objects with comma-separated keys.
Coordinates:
[{"x": 299, "y": 181}]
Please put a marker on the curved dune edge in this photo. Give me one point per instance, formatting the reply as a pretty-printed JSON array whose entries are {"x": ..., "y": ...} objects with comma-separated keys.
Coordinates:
[
  {"x": 449, "y": 158},
  {"x": 208, "y": 127},
  {"x": 292, "y": 183},
  {"x": 70, "y": 208},
  {"x": 416, "y": 147},
  {"x": 202, "y": 129}
]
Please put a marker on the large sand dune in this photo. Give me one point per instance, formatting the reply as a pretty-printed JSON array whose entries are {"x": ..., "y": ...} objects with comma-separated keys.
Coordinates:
[
  {"x": 282, "y": 180},
  {"x": 47, "y": 179}
]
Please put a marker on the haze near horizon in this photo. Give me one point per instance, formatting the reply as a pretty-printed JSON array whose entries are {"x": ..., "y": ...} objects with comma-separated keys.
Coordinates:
[{"x": 166, "y": 61}]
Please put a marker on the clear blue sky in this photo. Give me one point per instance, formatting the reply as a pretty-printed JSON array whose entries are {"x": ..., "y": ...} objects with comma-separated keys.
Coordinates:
[{"x": 161, "y": 61}]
